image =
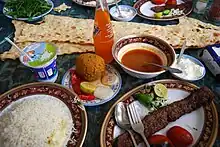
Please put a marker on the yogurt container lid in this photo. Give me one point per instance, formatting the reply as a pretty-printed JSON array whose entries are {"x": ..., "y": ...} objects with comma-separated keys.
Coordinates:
[
  {"x": 41, "y": 53},
  {"x": 214, "y": 51}
]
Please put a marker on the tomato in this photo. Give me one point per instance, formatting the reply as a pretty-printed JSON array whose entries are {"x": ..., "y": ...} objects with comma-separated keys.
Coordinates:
[
  {"x": 179, "y": 136},
  {"x": 159, "y": 139},
  {"x": 88, "y": 97},
  {"x": 75, "y": 81},
  {"x": 171, "y": 2},
  {"x": 158, "y": 2}
]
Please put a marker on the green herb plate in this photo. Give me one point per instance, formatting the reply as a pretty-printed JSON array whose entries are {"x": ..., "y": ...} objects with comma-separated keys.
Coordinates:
[{"x": 5, "y": 10}]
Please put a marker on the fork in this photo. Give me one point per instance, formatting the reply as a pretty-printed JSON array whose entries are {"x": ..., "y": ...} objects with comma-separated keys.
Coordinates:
[{"x": 136, "y": 122}]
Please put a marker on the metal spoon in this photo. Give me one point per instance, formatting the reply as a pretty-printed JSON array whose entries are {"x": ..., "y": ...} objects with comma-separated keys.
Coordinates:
[
  {"x": 117, "y": 7},
  {"x": 182, "y": 51},
  {"x": 170, "y": 69},
  {"x": 122, "y": 119}
]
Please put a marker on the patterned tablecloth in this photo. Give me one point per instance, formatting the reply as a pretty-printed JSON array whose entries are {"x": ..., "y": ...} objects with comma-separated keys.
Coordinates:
[{"x": 13, "y": 73}]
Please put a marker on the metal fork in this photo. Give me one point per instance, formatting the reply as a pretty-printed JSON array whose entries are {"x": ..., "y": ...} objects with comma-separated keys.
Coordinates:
[{"x": 136, "y": 122}]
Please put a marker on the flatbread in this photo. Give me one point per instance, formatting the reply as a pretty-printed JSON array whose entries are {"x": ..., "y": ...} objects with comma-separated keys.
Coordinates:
[
  {"x": 197, "y": 33},
  {"x": 79, "y": 31},
  {"x": 62, "y": 48},
  {"x": 73, "y": 35},
  {"x": 55, "y": 28}
]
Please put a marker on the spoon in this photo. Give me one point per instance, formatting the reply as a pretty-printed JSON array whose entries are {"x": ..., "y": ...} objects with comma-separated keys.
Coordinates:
[
  {"x": 170, "y": 69},
  {"x": 20, "y": 50},
  {"x": 117, "y": 7},
  {"x": 122, "y": 119},
  {"x": 182, "y": 51}
]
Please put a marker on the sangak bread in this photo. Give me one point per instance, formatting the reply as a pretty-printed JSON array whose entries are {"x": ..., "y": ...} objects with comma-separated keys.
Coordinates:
[
  {"x": 55, "y": 28},
  {"x": 73, "y": 35}
]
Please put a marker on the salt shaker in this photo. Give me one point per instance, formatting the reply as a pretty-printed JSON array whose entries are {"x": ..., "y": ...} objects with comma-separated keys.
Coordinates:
[{"x": 200, "y": 6}]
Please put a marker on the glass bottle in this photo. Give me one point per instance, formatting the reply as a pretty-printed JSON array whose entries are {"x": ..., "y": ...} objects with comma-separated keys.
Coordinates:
[{"x": 103, "y": 33}]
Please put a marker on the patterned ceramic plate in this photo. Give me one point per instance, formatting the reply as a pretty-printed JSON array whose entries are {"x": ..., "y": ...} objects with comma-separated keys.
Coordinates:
[
  {"x": 143, "y": 8},
  {"x": 78, "y": 111},
  {"x": 116, "y": 87},
  {"x": 201, "y": 123},
  {"x": 93, "y": 3}
]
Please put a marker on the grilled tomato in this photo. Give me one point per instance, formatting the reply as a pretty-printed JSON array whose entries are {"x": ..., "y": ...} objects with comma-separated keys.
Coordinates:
[
  {"x": 171, "y": 2},
  {"x": 158, "y": 2},
  {"x": 179, "y": 136},
  {"x": 157, "y": 140}
]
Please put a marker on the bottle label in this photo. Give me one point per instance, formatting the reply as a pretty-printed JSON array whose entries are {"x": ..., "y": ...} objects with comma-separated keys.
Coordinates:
[
  {"x": 109, "y": 31},
  {"x": 96, "y": 30},
  {"x": 105, "y": 32}
]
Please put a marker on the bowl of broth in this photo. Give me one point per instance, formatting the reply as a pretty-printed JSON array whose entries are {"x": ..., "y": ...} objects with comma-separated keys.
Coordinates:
[{"x": 134, "y": 52}]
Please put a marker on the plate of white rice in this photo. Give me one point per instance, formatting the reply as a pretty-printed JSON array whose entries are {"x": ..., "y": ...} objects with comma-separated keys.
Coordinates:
[{"x": 41, "y": 115}]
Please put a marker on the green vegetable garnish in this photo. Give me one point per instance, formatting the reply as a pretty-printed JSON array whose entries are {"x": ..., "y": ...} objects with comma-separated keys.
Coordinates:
[
  {"x": 146, "y": 99},
  {"x": 26, "y": 8},
  {"x": 166, "y": 12}
]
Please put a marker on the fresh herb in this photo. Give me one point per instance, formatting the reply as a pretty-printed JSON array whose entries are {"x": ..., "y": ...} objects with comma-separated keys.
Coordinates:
[
  {"x": 146, "y": 99},
  {"x": 149, "y": 96},
  {"x": 166, "y": 12},
  {"x": 26, "y": 8}
]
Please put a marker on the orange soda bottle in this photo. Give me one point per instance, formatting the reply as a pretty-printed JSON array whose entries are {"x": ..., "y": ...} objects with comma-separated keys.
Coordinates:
[{"x": 103, "y": 34}]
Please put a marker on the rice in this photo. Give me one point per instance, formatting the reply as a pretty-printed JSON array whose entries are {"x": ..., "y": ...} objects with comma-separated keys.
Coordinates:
[{"x": 36, "y": 121}]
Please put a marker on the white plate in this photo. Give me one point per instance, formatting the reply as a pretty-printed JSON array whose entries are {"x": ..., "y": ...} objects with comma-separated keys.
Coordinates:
[
  {"x": 143, "y": 8},
  {"x": 201, "y": 123},
  {"x": 52, "y": 91},
  {"x": 146, "y": 8},
  {"x": 192, "y": 120},
  {"x": 116, "y": 87}
]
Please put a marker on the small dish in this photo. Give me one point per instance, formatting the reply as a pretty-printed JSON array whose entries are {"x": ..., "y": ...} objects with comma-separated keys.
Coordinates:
[
  {"x": 202, "y": 69},
  {"x": 5, "y": 10},
  {"x": 66, "y": 81},
  {"x": 128, "y": 13}
]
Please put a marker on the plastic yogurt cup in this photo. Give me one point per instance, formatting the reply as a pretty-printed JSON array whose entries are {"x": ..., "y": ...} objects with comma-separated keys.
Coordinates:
[{"x": 43, "y": 62}]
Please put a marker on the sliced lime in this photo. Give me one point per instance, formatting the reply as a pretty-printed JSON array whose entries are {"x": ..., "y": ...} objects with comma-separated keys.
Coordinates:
[
  {"x": 87, "y": 87},
  {"x": 161, "y": 90},
  {"x": 158, "y": 15}
]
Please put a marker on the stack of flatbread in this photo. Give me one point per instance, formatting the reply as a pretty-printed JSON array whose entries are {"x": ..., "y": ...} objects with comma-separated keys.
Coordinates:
[{"x": 72, "y": 35}]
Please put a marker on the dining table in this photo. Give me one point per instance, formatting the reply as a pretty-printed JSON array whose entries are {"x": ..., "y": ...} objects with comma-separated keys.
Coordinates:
[{"x": 13, "y": 73}]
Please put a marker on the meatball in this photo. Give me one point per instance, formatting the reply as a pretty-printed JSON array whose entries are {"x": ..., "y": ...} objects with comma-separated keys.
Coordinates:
[{"x": 90, "y": 67}]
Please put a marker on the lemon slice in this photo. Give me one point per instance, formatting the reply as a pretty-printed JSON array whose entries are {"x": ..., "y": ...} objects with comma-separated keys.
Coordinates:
[
  {"x": 109, "y": 79},
  {"x": 158, "y": 15},
  {"x": 87, "y": 87},
  {"x": 161, "y": 90}
]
